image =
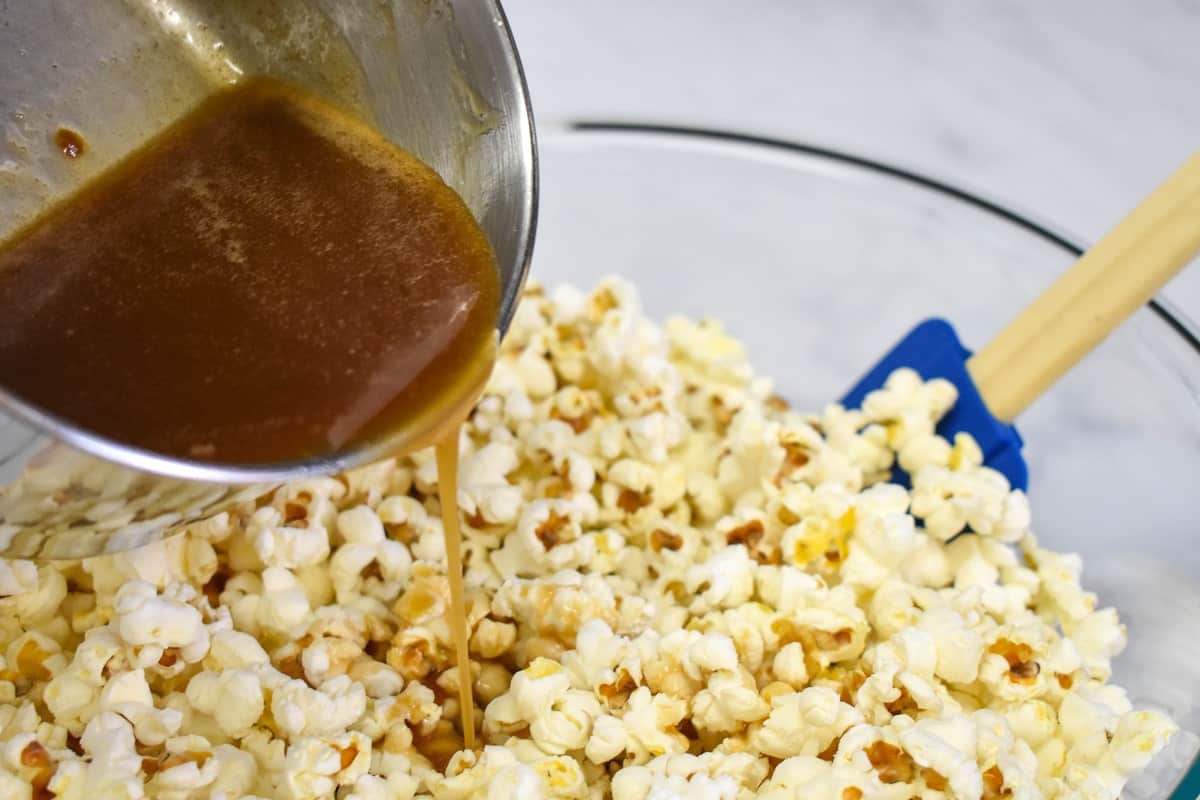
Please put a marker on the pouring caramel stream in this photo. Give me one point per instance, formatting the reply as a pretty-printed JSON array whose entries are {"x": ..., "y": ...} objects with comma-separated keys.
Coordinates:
[{"x": 447, "y": 464}]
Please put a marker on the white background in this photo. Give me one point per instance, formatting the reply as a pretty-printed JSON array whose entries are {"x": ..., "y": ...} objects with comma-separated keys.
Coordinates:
[{"x": 1069, "y": 109}]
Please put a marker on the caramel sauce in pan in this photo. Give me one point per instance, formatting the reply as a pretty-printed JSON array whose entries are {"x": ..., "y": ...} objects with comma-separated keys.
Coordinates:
[
  {"x": 69, "y": 143},
  {"x": 268, "y": 280}
]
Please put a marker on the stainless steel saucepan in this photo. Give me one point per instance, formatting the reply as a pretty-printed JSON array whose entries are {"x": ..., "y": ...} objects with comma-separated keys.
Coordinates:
[{"x": 442, "y": 78}]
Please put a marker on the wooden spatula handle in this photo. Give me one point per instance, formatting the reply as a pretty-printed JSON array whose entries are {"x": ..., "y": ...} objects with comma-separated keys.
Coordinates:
[{"x": 1112, "y": 280}]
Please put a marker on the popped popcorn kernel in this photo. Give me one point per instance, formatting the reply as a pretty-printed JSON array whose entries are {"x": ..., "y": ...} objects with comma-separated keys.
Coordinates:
[{"x": 677, "y": 587}]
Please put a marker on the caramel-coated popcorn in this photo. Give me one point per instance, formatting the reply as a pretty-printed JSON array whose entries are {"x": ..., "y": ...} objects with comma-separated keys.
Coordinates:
[{"x": 677, "y": 587}]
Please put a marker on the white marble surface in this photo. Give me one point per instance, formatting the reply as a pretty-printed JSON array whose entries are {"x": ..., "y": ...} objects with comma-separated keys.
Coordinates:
[{"x": 1071, "y": 110}]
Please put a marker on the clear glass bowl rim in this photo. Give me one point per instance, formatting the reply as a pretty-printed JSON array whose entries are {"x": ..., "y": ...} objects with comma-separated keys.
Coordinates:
[{"x": 1165, "y": 310}]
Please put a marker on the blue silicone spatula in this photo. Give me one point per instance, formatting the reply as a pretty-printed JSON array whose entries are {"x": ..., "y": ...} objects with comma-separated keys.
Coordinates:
[{"x": 1107, "y": 284}]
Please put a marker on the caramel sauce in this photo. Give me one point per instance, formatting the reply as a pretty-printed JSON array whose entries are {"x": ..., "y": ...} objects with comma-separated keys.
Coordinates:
[
  {"x": 447, "y": 464},
  {"x": 70, "y": 143},
  {"x": 268, "y": 280},
  {"x": 439, "y": 746}
]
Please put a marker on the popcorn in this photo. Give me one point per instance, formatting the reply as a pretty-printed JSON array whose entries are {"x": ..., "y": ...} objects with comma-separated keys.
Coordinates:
[
  {"x": 637, "y": 783},
  {"x": 235, "y": 772},
  {"x": 182, "y": 559},
  {"x": 151, "y": 623},
  {"x": 949, "y": 502},
  {"x": 367, "y": 547},
  {"x": 367, "y": 484},
  {"x": 608, "y": 740},
  {"x": 547, "y": 539},
  {"x": 649, "y": 721},
  {"x": 71, "y": 697},
  {"x": 728, "y": 700},
  {"x": 300, "y": 710},
  {"x": 484, "y": 488},
  {"x": 958, "y": 647},
  {"x": 725, "y": 580},
  {"x": 568, "y": 725},
  {"x": 283, "y": 606},
  {"x": 947, "y": 747},
  {"x": 128, "y": 694},
  {"x": 901, "y": 678},
  {"x": 113, "y": 770},
  {"x": 497, "y": 772},
  {"x": 37, "y": 601},
  {"x": 315, "y": 767},
  {"x": 908, "y": 406},
  {"x": 234, "y": 649},
  {"x": 557, "y": 605},
  {"x": 34, "y": 657},
  {"x": 789, "y": 667},
  {"x": 17, "y": 577},
  {"x": 1098, "y": 637},
  {"x": 540, "y": 697},
  {"x": 1139, "y": 735},
  {"x": 188, "y": 766},
  {"x": 502, "y": 773},
  {"x": 233, "y": 697},
  {"x": 809, "y": 776},
  {"x": 803, "y": 723},
  {"x": 677, "y": 587},
  {"x": 289, "y": 547}
]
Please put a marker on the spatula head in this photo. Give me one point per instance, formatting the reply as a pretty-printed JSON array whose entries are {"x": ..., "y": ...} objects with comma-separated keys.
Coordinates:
[{"x": 933, "y": 350}]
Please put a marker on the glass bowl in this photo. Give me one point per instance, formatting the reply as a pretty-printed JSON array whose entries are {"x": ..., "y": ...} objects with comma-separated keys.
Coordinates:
[{"x": 819, "y": 261}]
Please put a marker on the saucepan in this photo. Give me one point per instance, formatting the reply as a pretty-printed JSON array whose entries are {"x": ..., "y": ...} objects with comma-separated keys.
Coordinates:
[{"x": 441, "y": 78}]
